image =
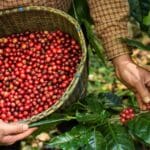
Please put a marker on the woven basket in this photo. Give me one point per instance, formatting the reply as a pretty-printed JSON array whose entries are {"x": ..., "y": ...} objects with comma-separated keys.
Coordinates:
[{"x": 35, "y": 18}]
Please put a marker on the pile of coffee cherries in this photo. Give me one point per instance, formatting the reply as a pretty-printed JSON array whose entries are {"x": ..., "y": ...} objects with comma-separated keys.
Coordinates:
[
  {"x": 126, "y": 115},
  {"x": 35, "y": 70}
]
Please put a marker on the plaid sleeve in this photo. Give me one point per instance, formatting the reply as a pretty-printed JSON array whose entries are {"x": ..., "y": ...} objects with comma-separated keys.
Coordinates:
[{"x": 110, "y": 18}]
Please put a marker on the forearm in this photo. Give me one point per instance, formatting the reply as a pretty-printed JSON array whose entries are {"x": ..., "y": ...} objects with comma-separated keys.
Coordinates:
[{"x": 110, "y": 18}]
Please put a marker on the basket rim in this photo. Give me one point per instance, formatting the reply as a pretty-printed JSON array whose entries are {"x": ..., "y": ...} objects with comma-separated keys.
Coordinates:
[{"x": 80, "y": 67}]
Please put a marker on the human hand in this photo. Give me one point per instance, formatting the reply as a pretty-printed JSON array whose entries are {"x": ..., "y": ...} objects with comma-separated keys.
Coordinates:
[
  {"x": 135, "y": 78},
  {"x": 12, "y": 132}
]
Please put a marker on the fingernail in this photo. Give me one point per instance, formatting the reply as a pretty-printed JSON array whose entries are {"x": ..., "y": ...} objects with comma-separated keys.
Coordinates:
[
  {"x": 25, "y": 127},
  {"x": 146, "y": 100}
]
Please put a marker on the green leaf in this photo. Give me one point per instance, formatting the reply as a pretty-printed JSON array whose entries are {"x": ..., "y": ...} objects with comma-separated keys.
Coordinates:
[
  {"x": 140, "y": 127},
  {"x": 110, "y": 100},
  {"x": 93, "y": 118},
  {"x": 96, "y": 141},
  {"x": 117, "y": 138},
  {"x": 139, "y": 9},
  {"x": 136, "y": 44},
  {"x": 80, "y": 10},
  {"x": 51, "y": 120},
  {"x": 88, "y": 117},
  {"x": 94, "y": 41},
  {"x": 146, "y": 20},
  {"x": 95, "y": 112},
  {"x": 135, "y": 9},
  {"x": 93, "y": 103},
  {"x": 71, "y": 140}
]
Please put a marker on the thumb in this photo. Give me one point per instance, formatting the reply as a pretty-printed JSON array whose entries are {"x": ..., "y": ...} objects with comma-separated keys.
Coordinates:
[
  {"x": 143, "y": 92},
  {"x": 15, "y": 128}
]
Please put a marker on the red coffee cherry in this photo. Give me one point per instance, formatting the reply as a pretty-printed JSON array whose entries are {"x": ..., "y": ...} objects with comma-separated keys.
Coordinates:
[
  {"x": 126, "y": 115},
  {"x": 35, "y": 70}
]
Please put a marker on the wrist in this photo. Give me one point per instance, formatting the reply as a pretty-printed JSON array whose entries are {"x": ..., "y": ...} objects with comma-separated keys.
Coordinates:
[{"x": 122, "y": 60}]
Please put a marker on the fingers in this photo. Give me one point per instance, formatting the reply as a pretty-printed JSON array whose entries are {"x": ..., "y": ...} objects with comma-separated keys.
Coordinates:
[
  {"x": 25, "y": 134},
  {"x": 14, "y": 128},
  {"x": 10, "y": 139},
  {"x": 148, "y": 84},
  {"x": 147, "y": 80},
  {"x": 143, "y": 92},
  {"x": 140, "y": 102}
]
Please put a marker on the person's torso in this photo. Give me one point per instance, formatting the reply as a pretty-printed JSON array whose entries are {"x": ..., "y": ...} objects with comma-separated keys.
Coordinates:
[{"x": 59, "y": 4}]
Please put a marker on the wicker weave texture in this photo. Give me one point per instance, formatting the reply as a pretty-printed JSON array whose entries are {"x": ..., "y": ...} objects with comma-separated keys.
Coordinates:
[{"x": 43, "y": 18}]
